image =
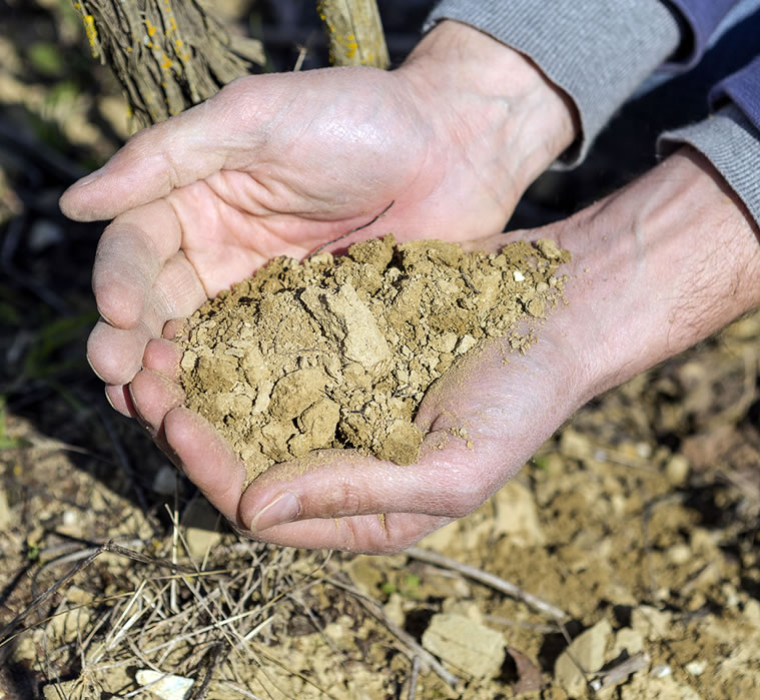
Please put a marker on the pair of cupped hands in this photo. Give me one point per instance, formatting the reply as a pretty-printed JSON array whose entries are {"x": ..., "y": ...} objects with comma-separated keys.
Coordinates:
[{"x": 281, "y": 164}]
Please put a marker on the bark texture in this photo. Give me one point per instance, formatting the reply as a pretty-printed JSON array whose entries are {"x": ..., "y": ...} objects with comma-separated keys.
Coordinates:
[
  {"x": 168, "y": 55},
  {"x": 354, "y": 32}
]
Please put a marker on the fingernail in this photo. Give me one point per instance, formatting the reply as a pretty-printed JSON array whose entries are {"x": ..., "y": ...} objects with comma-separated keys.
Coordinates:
[
  {"x": 89, "y": 179},
  {"x": 283, "y": 509},
  {"x": 108, "y": 398}
]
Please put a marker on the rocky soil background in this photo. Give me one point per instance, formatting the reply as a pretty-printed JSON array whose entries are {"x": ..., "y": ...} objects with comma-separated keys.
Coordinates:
[{"x": 621, "y": 563}]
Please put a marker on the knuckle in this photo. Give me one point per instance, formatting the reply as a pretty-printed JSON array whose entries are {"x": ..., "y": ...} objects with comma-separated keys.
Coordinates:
[{"x": 350, "y": 499}]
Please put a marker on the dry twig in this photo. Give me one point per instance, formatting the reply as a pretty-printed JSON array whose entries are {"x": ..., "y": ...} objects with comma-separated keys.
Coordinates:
[{"x": 487, "y": 579}]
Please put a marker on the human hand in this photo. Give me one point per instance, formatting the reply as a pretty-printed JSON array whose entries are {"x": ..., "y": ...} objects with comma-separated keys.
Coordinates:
[
  {"x": 281, "y": 164},
  {"x": 657, "y": 267}
]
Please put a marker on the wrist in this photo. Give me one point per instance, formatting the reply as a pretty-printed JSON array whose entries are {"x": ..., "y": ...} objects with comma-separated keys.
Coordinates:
[
  {"x": 494, "y": 103},
  {"x": 657, "y": 267}
]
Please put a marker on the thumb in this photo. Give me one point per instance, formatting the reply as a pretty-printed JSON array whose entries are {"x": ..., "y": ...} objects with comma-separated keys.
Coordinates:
[
  {"x": 186, "y": 148},
  {"x": 332, "y": 484}
]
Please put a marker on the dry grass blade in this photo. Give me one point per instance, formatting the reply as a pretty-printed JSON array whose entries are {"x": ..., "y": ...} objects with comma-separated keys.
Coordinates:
[
  {"x": 45, "y": 595},
  {"x": 624, "y": 669},
  {"x": 413, "y": 678}
]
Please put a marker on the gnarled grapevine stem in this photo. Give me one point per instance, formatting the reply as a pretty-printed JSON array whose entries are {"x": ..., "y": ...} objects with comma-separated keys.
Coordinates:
[{"x": 167, "y": 55}]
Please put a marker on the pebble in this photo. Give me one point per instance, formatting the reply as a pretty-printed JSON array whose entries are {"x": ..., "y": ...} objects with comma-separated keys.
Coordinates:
[
  {"x": 165, "y": 685},
  {"x": 201, "y": 521},
  {"x": 465, "y": 643},
  {"x": 587, "y": 649},
  {"x": 660, "y": 671},
  {"x": 5, "y": 511},
  {"x": 628, "y": 640},
  {"x": 696, "y": 668},
  {"x": 44, "y": 234},
  {"x": 650, "y": 622},
  {"x": 165, "y": 481},
  {"x": 677, "y": 470}
]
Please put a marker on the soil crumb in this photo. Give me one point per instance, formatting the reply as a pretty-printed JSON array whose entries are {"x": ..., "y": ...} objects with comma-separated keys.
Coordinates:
[{"x": 337, "y": 352}]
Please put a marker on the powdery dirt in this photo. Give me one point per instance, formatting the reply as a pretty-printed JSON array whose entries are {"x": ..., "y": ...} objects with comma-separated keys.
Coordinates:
[{"x": 338, "y": 352}]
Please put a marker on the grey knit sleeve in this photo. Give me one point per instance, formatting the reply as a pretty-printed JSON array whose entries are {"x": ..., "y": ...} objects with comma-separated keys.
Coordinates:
[
  {"x": 732, "y": 144},
  {"x": 597, "y": 51}
]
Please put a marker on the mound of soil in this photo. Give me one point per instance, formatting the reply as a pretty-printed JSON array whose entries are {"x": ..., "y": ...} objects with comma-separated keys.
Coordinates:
[{"x": 339, "y": 351}]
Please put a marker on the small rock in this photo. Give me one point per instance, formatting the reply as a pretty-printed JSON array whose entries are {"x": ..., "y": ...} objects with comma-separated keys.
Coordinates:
[
  {"x": 165, "y": 685},
  {"x": 465, "y": 343},
  {"x": 573, "y": 444},
  {"x": 189, "y": 360},
  {"x": 44, "y": 234},
  {"x": 549, "y": 249},
  {"x": 394, "y": 609},
  {"x": 5, "y": 511},
  {"x": 660, "y": 671},
  {"x": 679, "y": 554},
  {"x": 677, "y": 470},
  {"x": 200, "y": 521},
  {"x": 516, "y": 516},
  {"x": 165, "y": 481},
  {"x": 732, "y": 599},
  {"x": 465, "y": 644},
  {"x": 518, "y": 276},
  {"x": 650, "y": 622},
  {"x": 588, "y": 650},
  {"x": 464, "y": 608},
  {"x": 628, "y": 640},
  {"x": 752, "y": 612},
  {"x": 644, "y": 450},
  {"x": 696, "y": 668}
]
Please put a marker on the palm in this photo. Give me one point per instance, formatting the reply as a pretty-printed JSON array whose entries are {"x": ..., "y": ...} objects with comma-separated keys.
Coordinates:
[{"x": 296, "y": 189}]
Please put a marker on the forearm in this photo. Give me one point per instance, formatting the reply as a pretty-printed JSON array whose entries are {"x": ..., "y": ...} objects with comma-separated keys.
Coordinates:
[{"x": 658, "y": 266}]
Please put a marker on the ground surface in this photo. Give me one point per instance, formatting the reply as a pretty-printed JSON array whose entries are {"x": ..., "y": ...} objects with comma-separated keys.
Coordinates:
[{"x": 640, "y": 519}]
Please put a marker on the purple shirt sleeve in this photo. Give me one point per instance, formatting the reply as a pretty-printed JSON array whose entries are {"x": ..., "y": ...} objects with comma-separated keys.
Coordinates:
[
  {"x": 744, "y": 89},
  {"x": 701, "y": 18}
]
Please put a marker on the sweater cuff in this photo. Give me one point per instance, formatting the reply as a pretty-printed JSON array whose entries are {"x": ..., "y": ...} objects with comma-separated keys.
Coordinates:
[
  {"x": 732, "y": 144},
  {"x": 597, "y": 52}
]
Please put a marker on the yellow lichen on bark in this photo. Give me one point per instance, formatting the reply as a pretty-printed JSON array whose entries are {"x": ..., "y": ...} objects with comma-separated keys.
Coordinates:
[
  {"x": 355, "y": 33},
  {"x": 92, "y": 34}
]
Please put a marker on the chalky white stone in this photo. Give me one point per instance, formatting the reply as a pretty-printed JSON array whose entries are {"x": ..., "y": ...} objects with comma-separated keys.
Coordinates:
[{"x": 165, "y": 685}]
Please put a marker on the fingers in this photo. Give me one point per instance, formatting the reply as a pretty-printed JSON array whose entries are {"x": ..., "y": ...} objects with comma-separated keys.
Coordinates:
[
  {"x": 120, "y": 400},
  {"x": 131, "y": 254},
  {"x": 153, "y": 396},
  {"x": 449, "y": 480},
  {"x": 116, "y": 354},
  {"x": 212, "y": 466},
  {"x": 176, "y": 152},
  {"x": 367, "y": 534},
  {"x": 208, "y": 461},
  {"x": 164, "y": 357}
]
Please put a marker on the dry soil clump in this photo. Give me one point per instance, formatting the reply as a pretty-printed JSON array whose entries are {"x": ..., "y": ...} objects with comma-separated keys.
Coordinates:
[{"x": 339, "y": 351}]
